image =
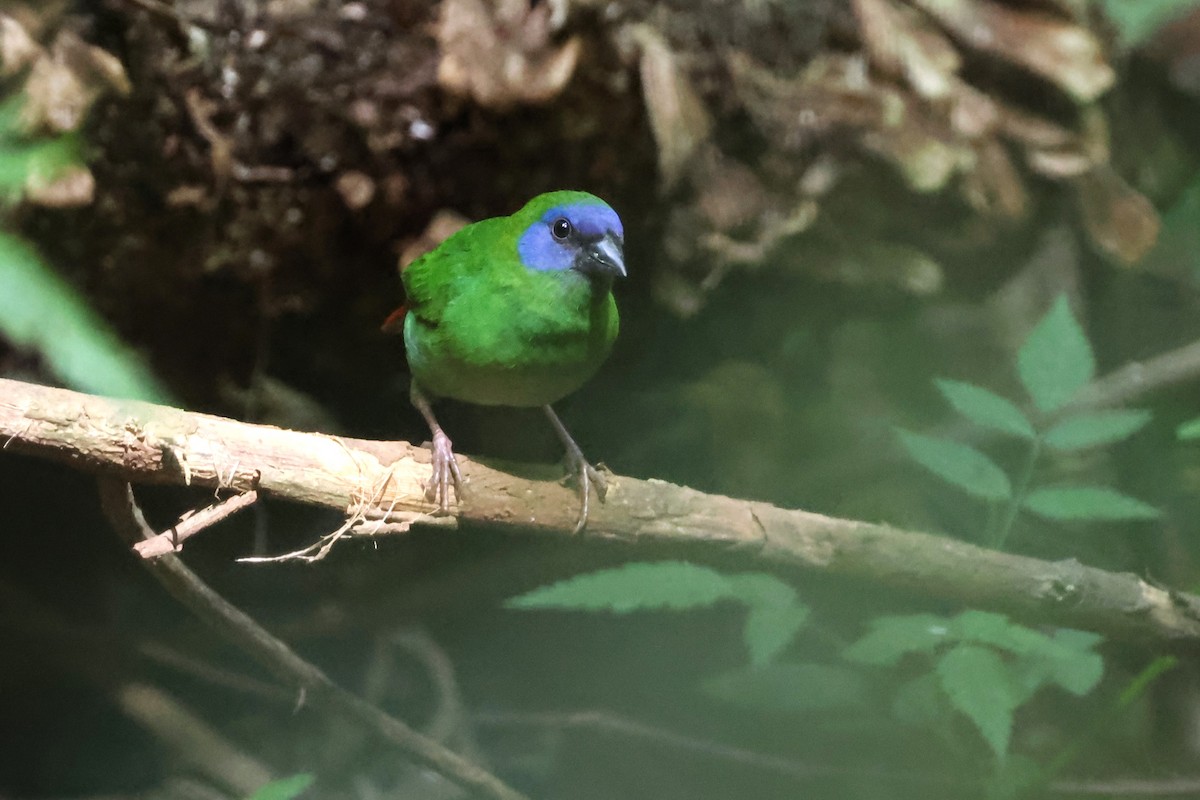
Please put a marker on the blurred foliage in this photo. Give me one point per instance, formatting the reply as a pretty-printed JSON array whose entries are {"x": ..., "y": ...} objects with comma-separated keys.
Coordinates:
[
  {"x": 284, "y": 788},
  {"x": 775, "y": 613},
  {"x": 43, "y": 313},
  {"x": 985, "y": 666},
  {"x": 1138, "y": 19},
  {"x": 40, "y": 311},
  {"x": 977, "y": 664},
  {"x": 1054, "y": 364}
]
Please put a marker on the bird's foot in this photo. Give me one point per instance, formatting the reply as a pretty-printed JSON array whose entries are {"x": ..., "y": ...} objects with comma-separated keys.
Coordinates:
[
  {"x": 586, "y": 477},
  {"x": 445, "y": 473}
]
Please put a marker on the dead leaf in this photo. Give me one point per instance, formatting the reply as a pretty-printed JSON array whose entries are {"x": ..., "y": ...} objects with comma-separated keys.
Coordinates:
[
  {"x": 501, "y": 55},
  {"x": 17, "y": 47},
  {"x": 1064, "y": 53},
  {"x": 994, "y": 186},
  {"x": 356, "y": 188},
  {"x": 1119, "y": 219},
  {"x": 728, "y": 193},
  {"x": 444, "y": 224},
  {"x": 57, "y": 99},
  {"x": 903, "y": 45},
  {"x": 65, "y": 82},
  {"x": 677, "y": 117},
  {"x": 70, "y": 188},
  {"x": 97, "y": 68}
]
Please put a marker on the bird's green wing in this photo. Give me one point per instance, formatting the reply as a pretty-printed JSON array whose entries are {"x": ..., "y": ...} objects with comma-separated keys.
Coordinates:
[{"x": 437, "y": 277}]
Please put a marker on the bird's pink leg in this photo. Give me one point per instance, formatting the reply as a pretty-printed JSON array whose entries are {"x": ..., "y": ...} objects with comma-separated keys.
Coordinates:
[
  {"x": 585, "y": 473},
  {"x": 445, "y": 465}
]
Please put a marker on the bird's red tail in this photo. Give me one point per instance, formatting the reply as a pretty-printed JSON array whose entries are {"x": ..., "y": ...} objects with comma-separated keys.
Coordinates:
[{"x": 395, "y": 321}]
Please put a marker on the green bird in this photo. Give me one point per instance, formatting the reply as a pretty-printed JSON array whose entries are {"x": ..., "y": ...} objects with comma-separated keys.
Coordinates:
[{"x": 514, "y": 311}]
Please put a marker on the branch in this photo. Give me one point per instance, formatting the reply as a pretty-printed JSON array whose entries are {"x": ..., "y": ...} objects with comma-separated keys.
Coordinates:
[
  {"x": 155, "y": 444},
  {"x": 122, "y": 511},
  {"x": 193, "y": 740},
  {"x": 171, "y": 540},
  {"x": 1138, "y": 378}
]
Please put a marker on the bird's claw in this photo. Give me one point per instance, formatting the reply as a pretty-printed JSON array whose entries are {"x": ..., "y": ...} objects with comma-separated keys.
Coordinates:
[
  {"x": 586, "y": 476},
  {"x": 445, "y": 473}
]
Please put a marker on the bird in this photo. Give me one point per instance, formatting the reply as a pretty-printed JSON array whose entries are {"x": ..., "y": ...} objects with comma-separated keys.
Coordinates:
[{"x": 513, "y": 311}]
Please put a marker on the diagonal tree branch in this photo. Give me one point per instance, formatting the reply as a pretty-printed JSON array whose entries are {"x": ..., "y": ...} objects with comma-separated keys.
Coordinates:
[
  {"x": 116, "y": 497},
  {"x": 145, "y": 443}
]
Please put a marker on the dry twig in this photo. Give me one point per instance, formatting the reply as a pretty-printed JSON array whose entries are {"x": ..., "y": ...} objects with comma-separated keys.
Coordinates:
[{"x": 171, "y": 540}]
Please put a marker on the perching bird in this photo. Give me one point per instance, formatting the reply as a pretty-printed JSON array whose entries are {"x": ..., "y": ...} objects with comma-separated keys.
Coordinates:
[{"x": 514, "y": 311}]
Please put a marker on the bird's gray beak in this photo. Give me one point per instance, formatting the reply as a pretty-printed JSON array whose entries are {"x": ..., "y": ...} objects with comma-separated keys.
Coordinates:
[{"x": 605, "y": 256}]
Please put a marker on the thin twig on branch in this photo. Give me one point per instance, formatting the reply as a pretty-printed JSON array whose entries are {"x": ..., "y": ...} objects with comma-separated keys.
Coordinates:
[
  {"x": 171, "y": 540},
  {"x": 155, "y": 444},
  {"x": 116, "y": 498}
]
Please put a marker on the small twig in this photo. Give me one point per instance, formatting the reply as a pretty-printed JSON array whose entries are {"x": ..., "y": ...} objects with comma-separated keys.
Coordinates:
[
  {"x": 309, "y": 553},
  {"x": 81, "y": 647},
  {"x": 605, "y": 722},
  {"x": 171, "y": 540},
  {"x": 1132, "y": 787},
  {"x": 220, "y": 146},
  {"x": 1138, "y": 378},
  {"x": 1020, "y": 489},
  {"x": 167, "y": 656},
  {"x": 123, "y": 513},
  {"x": 193, "y": 739},
  {"x": 450, "y": 721}
]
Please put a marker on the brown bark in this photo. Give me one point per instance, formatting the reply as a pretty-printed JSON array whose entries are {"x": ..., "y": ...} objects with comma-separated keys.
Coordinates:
[{"x": 155, "y": 444}]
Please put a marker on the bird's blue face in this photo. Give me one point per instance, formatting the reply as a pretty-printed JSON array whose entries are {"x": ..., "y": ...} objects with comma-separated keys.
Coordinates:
[{"x": 586, "y": 237}]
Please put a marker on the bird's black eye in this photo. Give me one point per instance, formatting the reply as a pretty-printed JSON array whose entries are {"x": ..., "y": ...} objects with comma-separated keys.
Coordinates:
[{"x": 561, "y": 228}]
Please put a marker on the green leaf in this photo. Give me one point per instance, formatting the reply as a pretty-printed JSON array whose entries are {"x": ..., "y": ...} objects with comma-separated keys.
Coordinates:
[
  {"x": 1073, "y": 639},
  {"x": 42, "y": 312},
  {"x": 672, "y": 585},
  {"x": 979, "y": 685},
  {"x": 1136, "y": 20},
  {"x": 1056, "y": 360},
  {"x": 986, "y": 627},
  {"x": 1070, "y": 661},
  {"x": 284, "y": 788},
  {"x": 1093, "y": 430},
  {"x": 769, "y": 629},
  {"x": 46, "y": 158},
  {"x": 789, "y": 687},
  {"x": 986, "y": 408},
  {"x": 1077, "y": 672},
  {"x": 1189, "y": 430},
  {"x": 760, "y": 589},
  {"x": 776, "y": 614},
  {"x": 891, "y": 638},
  {"x": 1087, "y": 503},
  {"x": 921, "y": 702},
  {"x": 958, "y": 464}
]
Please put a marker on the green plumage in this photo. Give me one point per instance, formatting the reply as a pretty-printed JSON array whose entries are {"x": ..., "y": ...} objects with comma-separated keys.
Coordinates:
[{"x": 485, "y": 328}]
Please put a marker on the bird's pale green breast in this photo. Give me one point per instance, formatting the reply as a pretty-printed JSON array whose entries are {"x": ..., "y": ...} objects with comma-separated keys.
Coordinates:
[{"x": 485, "y": 329}]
